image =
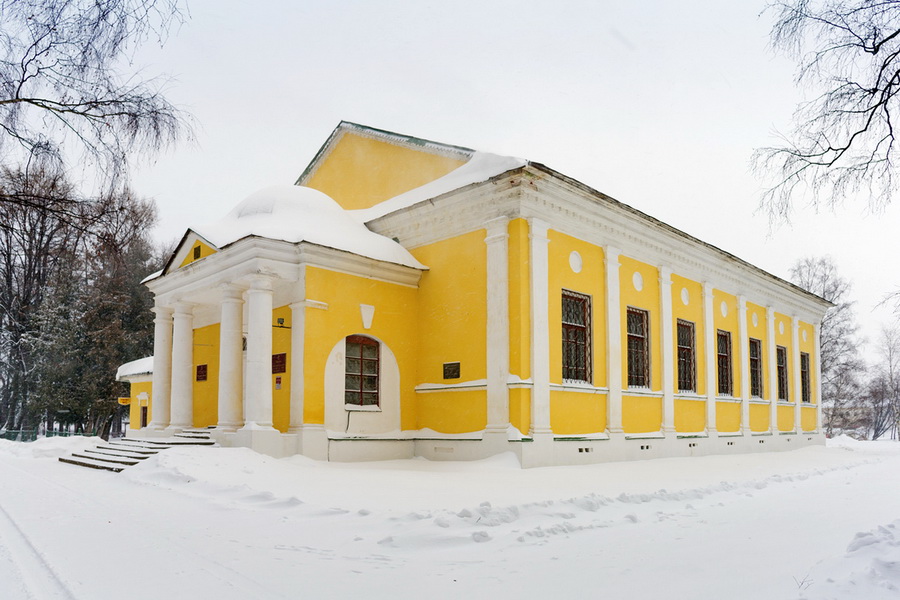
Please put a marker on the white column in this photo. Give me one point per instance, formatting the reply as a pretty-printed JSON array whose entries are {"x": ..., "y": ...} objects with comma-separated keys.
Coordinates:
[
  {"x": 668, "y": 350},
  {"x": 795, "y": 375},
  {"x": 498, "y": 325},
  {"x": 540, "y": 328},
  {"x": 162, "y": 368},
  {"x": 613, "y": 342},
  {"x": 258, "y": 396},
  {"x": 743, "y": 354},
  {"x": 231, "y": 359},
  {"x": 712, "y": 380},
  {"x": 183, "y": 367},
  {"x": 817, "y": 365},
  {"x": 772, "y": 369}
]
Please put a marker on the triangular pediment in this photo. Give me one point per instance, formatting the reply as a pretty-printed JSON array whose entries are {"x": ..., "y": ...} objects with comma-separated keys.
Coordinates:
[
  {"x": 190, "y": 249},
  {"x": 360, "y": 166}
]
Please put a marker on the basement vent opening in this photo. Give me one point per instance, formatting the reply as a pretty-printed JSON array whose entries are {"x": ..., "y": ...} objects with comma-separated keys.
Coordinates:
[
  {"x": 762, "y": 441},
  {"x": 443, "y": 449},
  {"x": 585, "y": 449},
  {"x": 731, "y": 443},
  {"x": 692, "y": 445},
  {"x": 645, "y": 447}
]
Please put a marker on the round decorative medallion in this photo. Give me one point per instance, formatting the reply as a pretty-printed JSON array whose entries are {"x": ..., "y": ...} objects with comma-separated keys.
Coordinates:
[
  {"x": 638, "y": 281},
  {"x": 780, "y": 326},
  {"x": 804, "y": 335},
  {"x": 723, "y": 308},
  {"x": 575, "y": 261},
  {"x": 685, "y": 296},
  {"x": 755, "y": 319}
]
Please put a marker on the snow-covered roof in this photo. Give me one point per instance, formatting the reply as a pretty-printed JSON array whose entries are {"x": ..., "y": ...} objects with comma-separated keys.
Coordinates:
[
  {"x": 300, "y": 214},
  {"x": 481, "y": 167},
  {"x": 141, "y": 366}
]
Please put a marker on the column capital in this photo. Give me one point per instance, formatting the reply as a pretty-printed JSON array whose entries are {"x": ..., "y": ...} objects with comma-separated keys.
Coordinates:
[
  {"x": 707, "y": 288},
  {"x": 496, "y": 229},
  {"x": 231, "y": 291},
  {"x": 162, "y": 312},
  {"x": 538, "y": 229},
  {"x": 665, "y": 275},
  {"x": 262, "y": 282},
  {"x": 612, "y": 254},
  {"x": 184, "y": 308},
  {"x": 742, "y": 302}
]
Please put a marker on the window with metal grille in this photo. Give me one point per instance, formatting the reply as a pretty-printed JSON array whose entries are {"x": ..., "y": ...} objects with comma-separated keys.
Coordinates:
[
  {"x": 576, "y": 336},
  {"x": 361, "y": 371},
  {"x": 756, "y": 379},
  {"x": 686, "y": 368},
  {"x": 781, "y": 363},
  {"x": 723, "y": 362},
  {"x": 804, "y": 377},
  {"x": 637, "y": 325}
]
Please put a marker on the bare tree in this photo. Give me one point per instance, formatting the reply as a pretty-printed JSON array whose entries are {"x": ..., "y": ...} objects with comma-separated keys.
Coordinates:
[
  {"x": 843, "y": 141},
  {"x": 63, "y": 95},
  {"x": 883, "y": 396},
  {"x": 839, "y": 351}
]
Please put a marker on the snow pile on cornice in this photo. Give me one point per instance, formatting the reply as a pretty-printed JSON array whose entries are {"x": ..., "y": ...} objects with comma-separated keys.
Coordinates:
[
  {"x": 294, "y": 214},
  {"x": 141, "y": 366},
  {"x": 481, "y": 167}
]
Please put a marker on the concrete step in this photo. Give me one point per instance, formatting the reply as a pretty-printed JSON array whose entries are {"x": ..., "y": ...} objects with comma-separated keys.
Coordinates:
[
  {"x": 92, "y": 463},
  {"x": 100, "y": 451},
  {"x": 119, "y": 460},
  {"x": 133, "y": 448}
]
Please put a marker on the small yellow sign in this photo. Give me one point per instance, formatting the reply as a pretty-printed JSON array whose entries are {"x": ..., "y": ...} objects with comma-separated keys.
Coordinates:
[{"x": 124, "y": 401}]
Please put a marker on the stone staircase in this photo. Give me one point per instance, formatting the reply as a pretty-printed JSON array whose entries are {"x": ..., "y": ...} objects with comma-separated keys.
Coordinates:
[{"x": 116, "y": 455}]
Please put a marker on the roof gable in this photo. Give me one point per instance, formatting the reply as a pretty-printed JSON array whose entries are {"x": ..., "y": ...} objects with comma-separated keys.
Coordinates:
[
  {"x": 361, "y": 166},
  {"x": 190, "y": 249}
]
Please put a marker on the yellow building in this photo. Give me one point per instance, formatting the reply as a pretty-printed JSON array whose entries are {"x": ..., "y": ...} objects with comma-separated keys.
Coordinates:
[{"x": 410, "y": 298}]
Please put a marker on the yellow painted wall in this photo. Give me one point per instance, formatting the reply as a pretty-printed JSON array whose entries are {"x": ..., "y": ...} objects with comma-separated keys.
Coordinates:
[
  {"x": 453, "y": 326},
  {"x": 396, "y": 323},
  {"x": 360, "y": 172},
  {"x": 519, "y": 323},
  {"x": 281, "y": 342},
  {"x": 808, "y": 418},
  {"x": 641, "y": 414},
  {"x": 785, "y": 418},
  {"x": 693, "y": 312},
  {"x": 453, "y": 296},
  {"x": 206, "y": 393},
  {"x": 589, "y": 282},
  {"x": 453, "y": 412},
  {"x": 519, "y": 300},
  {"x": 134, "y": 409},
  {"x": 728, "y": 416},
  {"x": 690, "y": 416},
  {"x": 574, "y": 413},
  {"x": 758, "y": 332},
  {"x": 784, "y": 339},
  {"x": 204, "y": 252},
  {"x": 809, "y": 346},
  {"x": 729, "y": 323},
  {"x": 759, "y": 417},
  {"x": 520, "y": 409}
]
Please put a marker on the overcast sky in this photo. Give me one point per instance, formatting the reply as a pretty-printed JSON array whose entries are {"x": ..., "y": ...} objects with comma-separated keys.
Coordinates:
[{"x": 658, "y": 104}]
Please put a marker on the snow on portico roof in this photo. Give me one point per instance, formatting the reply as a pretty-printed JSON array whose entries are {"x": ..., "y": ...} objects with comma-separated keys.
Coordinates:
[
  {"x": 294, "y": 214},
  {"x": 141, "y": 366}
]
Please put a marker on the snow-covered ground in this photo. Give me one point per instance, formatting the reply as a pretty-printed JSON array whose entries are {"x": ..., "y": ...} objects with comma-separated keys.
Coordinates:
[{"x": 229, "y": 523}]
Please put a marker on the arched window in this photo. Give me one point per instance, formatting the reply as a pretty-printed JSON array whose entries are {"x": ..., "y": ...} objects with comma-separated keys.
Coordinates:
[{"x": 361, "y": 373}]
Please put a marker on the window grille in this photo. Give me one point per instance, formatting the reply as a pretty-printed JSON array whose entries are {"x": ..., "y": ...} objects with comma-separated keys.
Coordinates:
[
  {"x": 723, "y": 357},
  {"x": 687, "y": 369},
  {"x": 576, "y": 336},
  {"x": 756, "y": 368},
  {"x": 361, "y": 371},
  {"x": 637, "y": 322},
  {"x": 781, "y": 361},
  {"x": 804, "y": 377}
]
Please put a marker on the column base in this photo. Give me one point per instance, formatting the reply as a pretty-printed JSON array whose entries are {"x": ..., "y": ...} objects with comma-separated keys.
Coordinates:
[
  {"x": 173, "y": 429},
  {"x": 259, "y": 438}
]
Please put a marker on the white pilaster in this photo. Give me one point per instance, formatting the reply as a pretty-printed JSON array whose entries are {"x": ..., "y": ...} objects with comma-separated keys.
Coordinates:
[
  {"x": 298, "y": 383},
  {"x": 498, "y": 324},
  {"x": 162, "y": 368},
  {"x": 712, "y": 380},
  {"x": 231, "y": 359},
  {"x": 772, "y": 375},
  {"x": 817, "y": 365},
  {"x": 182, "y": 367},
  {"x": 668, "y": 350},
  {"x": 743, "y": 355},
  {"x": 795, "y": 375},
  {"x": 613, "y": 342},
  {"x": 540, "y": 328},
  {"x": 258, "y": 395}
]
